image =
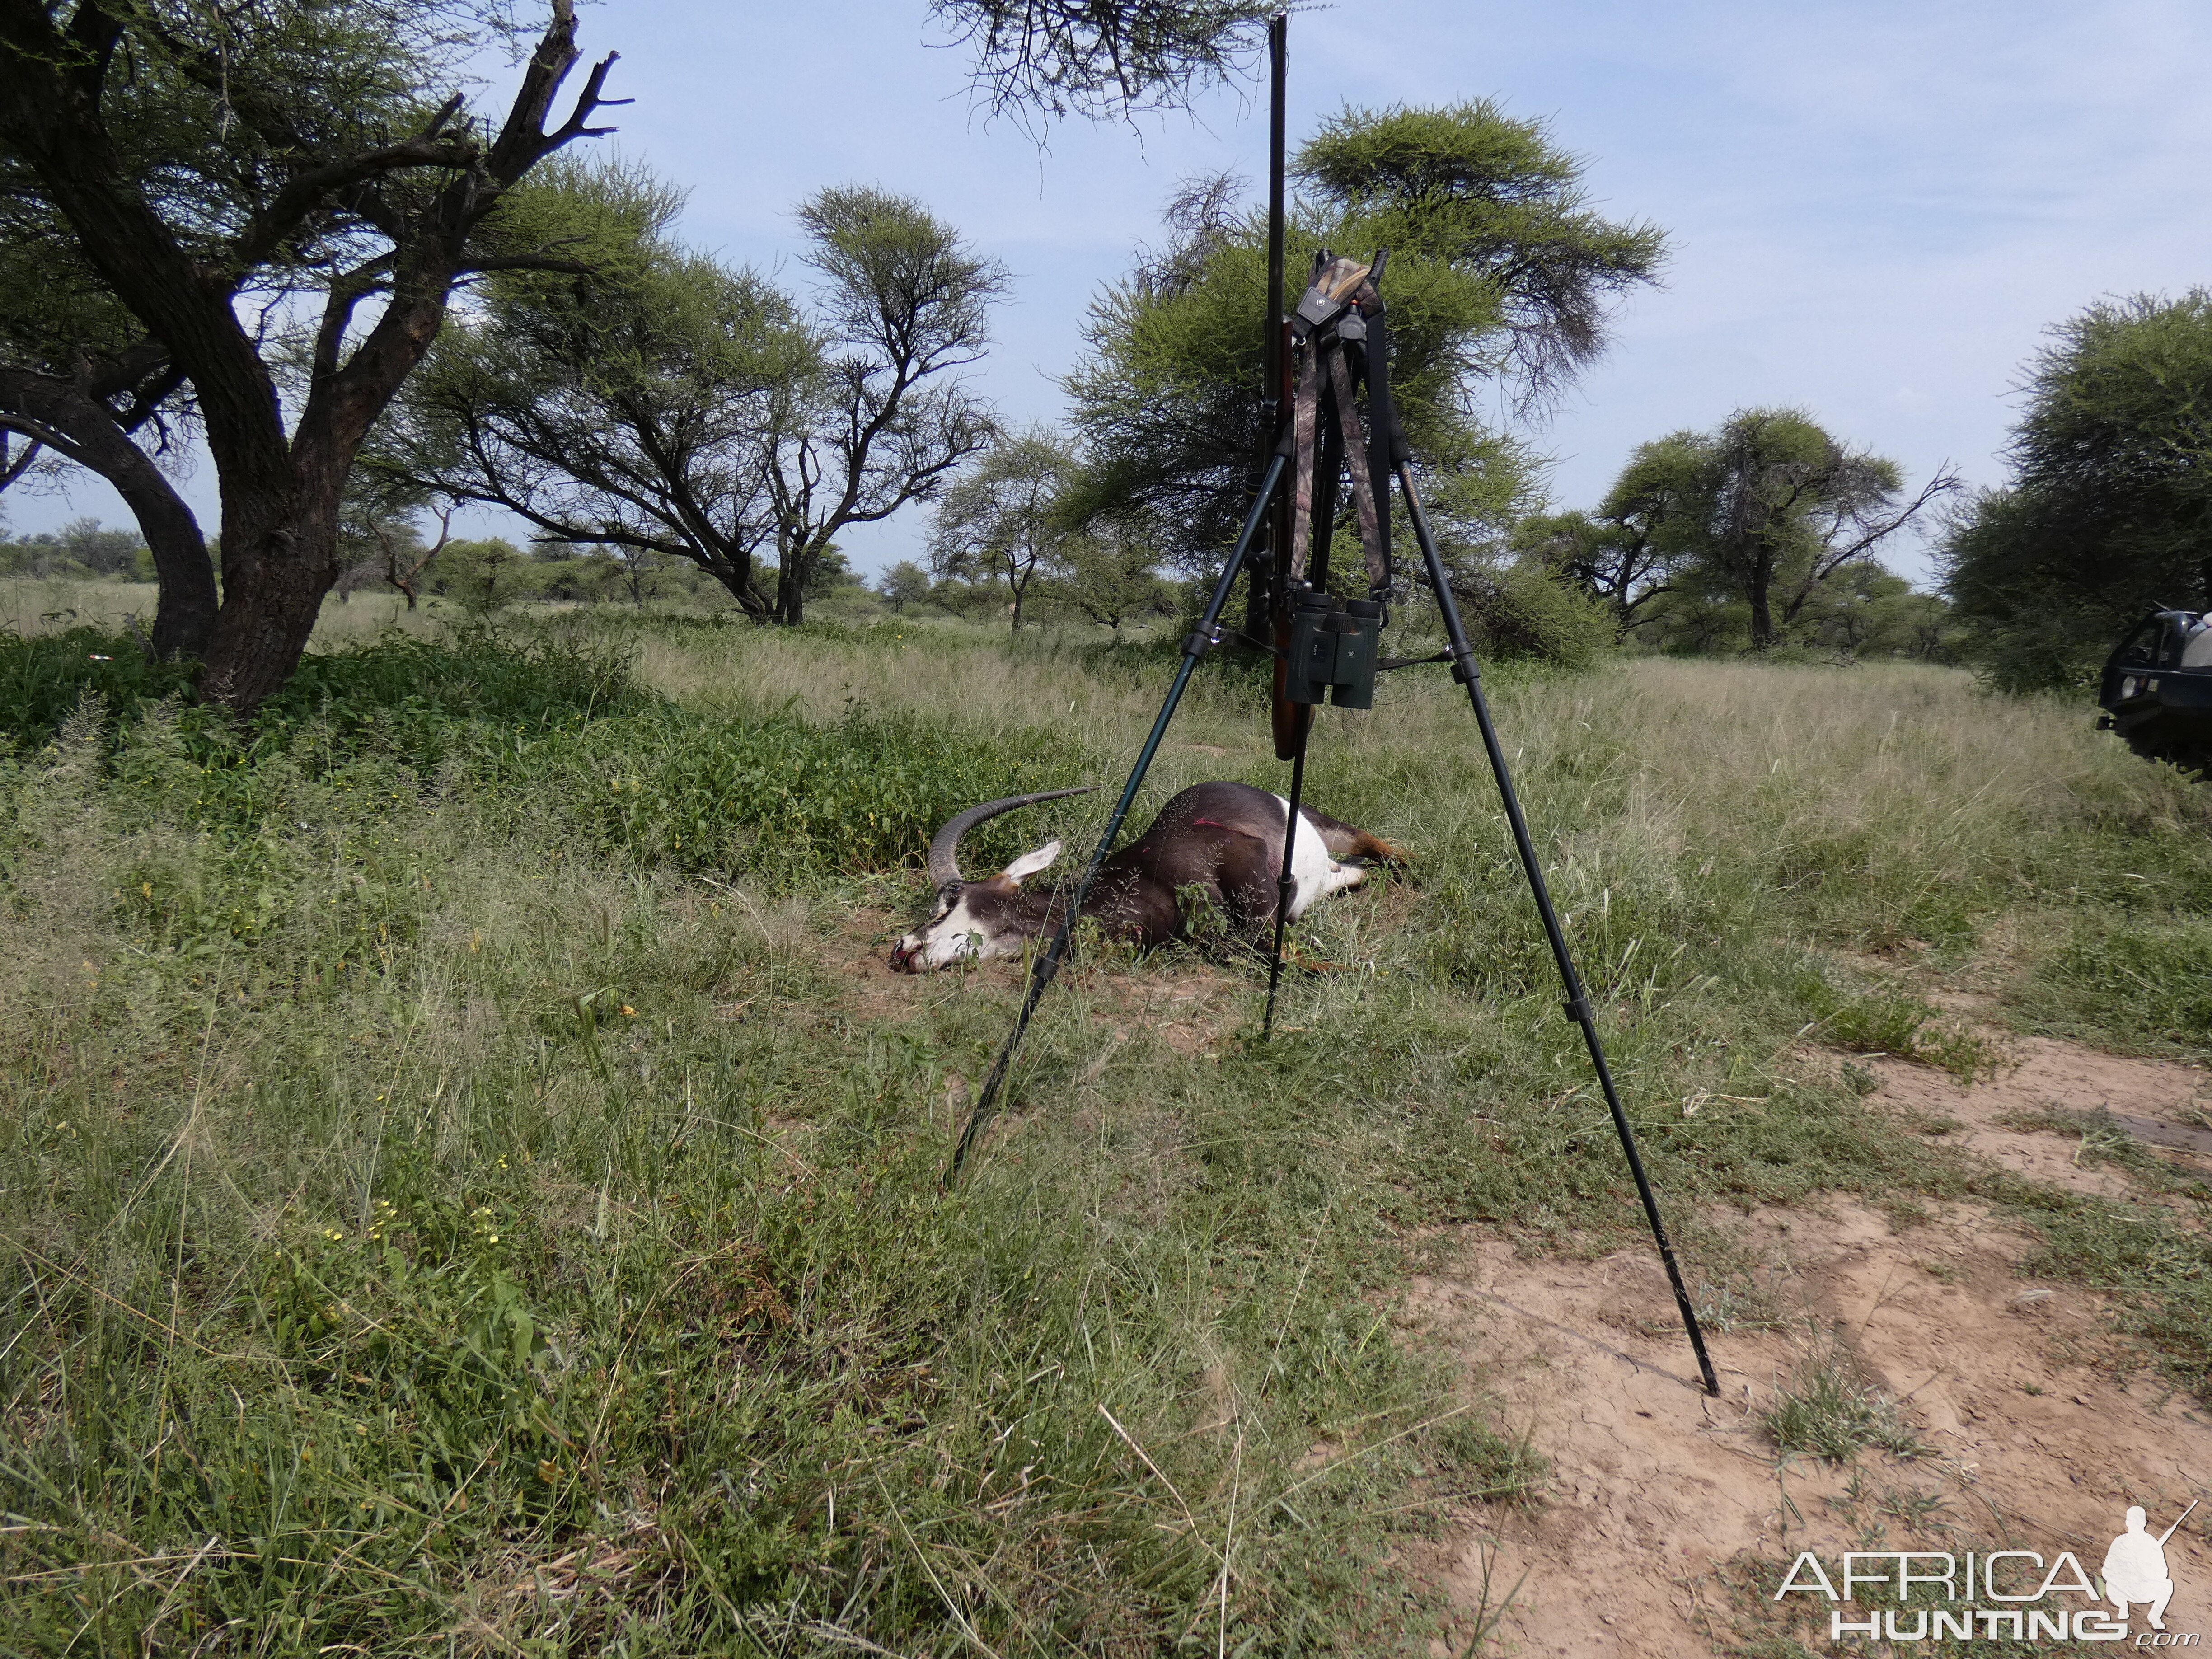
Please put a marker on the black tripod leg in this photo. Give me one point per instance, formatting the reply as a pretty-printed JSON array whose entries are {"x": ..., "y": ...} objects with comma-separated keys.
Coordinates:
[
  {"x": 1285, "y": 883},
  {"x": 1195, "y": 645},
  {"x": 1464, "y": 670}
]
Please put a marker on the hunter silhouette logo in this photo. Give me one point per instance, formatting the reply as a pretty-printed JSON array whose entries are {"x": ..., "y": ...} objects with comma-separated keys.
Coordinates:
[
  {"x": 2022, "y": 1595},
  {"x": 2135, "y": 1567}
]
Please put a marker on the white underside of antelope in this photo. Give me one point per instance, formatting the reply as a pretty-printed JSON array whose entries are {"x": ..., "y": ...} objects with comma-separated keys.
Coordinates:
[{"x": 1316, "y": 873}]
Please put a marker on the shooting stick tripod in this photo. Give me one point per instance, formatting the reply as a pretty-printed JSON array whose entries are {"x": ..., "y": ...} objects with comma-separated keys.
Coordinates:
[{"x": 1325, "y": 650}]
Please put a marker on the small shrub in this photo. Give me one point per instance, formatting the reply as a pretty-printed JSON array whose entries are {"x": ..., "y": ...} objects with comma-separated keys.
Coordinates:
[
  {"x": 1827, "y": 1412},
  {"x": 538, "y": 683},
  {"x": 45, "y": 676},
  {"x": 1904, "y": 1026},
  {"x": 779, "y": 795}
]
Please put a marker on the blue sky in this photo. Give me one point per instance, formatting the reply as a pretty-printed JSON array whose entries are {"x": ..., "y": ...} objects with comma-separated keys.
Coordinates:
[{"x": 1875, "y": 208}]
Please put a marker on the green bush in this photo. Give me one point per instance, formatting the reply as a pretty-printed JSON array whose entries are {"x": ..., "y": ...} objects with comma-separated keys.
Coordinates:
[
  {"x": 2030, "y": 653},
  {"x": 546, "y": 728},
  {"x": 45, "y": 676},
  {"x": 780, "y": 796},
  {"x": 1522, "y": 610}
]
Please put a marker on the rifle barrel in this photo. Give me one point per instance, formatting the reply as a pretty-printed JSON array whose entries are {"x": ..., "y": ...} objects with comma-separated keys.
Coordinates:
[
  {"x": 1279, "y": 32},
  {"x": 2176, "y": 1527}
]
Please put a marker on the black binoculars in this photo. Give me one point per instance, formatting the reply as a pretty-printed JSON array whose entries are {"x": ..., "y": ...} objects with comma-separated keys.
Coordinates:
[{"x": 1333, "y": 650}]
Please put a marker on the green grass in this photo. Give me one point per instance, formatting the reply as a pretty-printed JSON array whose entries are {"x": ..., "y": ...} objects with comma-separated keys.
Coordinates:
[
  {"x": 1879, "y": 1023},
  {"x": 1825, "y": 1411},
  {"x": 461, "y": 1194}
]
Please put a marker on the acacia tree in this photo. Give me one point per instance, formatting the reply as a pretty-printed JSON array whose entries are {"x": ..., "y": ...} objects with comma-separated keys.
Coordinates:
[
  {"x": 904, "y": 308},
  {"x": 1499, "y": 278},
  {"x": 1098, "y": 59},
  {"x": 216, "y": 167},
  {"x": 624, "y": 407},
  {"x": 379, "y": 538},
  {"x": 1004, "y": 520},
  {"x": 1628, "y": 552},
  {"x": 1785, "y": 506},
  {"x": 667, "y": 405},
  {"x": 904, "y": 584},
  {"x": 1111, "y": 577},
  {"x": 2109, "y": 513}
]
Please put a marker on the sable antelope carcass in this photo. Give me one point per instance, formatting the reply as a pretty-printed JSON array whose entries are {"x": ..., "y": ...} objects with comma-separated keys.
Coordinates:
[{"x": 1224, "y": 840}]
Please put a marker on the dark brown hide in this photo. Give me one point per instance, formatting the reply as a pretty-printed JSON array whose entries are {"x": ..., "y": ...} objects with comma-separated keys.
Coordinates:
[{"x": 1224, "y": 840}]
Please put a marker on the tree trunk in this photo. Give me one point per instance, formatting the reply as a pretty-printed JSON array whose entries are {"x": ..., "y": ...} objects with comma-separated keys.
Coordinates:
[
  {"x": 1762, "y": 602},
  {"x": 736, "y": 576},
  {"x": 790, "y": 586},
  {"x": 280, "y": 491},
  {"x": 280, "y": 555},
  {"x": 185, "y": 613},
  {"x": 76, "y": 425}
]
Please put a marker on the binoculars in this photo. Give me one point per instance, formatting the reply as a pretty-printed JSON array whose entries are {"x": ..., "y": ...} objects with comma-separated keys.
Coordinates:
[{"x": 1331, "y": 657}]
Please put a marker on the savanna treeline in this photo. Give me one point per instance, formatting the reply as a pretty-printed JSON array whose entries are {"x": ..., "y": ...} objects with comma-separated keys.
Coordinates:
[
  {"x": 660, "y": 423},
  {"x": 246, "y": 229}
]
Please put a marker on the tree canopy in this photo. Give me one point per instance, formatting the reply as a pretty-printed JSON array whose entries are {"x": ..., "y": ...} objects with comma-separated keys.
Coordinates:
[
  {"x": 1006, "y": 519},
  {"x": 2109, "y": 512},
  {"x": 1499, "y": 280},
  {"x": 275, "y": 203},
  {"x": 1768, "y": 512},
  {"x": 1628, "y": 551},
  {"x": 1102, "y": 57},
  {"x": 673, "y": 405}
]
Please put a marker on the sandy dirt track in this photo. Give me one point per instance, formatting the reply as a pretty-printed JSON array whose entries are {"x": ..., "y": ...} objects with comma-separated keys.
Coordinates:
[{"x": 2037, "y": 1428}]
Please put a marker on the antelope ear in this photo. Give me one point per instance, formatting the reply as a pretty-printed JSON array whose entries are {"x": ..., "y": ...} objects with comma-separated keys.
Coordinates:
[{"x": 1029, "y": 863}]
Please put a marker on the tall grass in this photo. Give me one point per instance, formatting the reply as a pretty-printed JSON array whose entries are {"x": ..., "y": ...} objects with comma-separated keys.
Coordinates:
[
  {"x": 31, "y": 605},
  {"x": 469, "y": 1186}
]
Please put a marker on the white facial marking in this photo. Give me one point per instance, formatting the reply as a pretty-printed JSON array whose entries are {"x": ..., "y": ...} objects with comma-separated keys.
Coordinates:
[
  {"x": 1317, "y": 874},
  {"x": 952, "y": 935}
]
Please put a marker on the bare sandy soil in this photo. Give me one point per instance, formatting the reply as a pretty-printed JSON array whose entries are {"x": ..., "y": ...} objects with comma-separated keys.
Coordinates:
[{"x": 1669, "y": 1516}]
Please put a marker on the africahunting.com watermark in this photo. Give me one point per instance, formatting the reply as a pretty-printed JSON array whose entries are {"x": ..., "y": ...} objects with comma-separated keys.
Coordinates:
[{"x": 2015, "y": 1596}]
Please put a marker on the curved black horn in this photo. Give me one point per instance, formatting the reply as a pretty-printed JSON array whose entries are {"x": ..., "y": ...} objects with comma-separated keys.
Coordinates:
[{"x": 944, "y": 845}]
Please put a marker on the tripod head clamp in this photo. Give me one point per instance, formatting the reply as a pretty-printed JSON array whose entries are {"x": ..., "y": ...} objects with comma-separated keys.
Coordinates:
[{"x": 1333, "y": 291}]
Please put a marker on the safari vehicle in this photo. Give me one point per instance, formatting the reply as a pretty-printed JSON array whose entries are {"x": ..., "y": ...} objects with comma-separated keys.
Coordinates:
[{"x": 2157, "y": 689}]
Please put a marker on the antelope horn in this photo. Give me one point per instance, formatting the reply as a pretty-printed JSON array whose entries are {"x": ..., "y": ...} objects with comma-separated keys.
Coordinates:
[{"x": 944, "y": 845}]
